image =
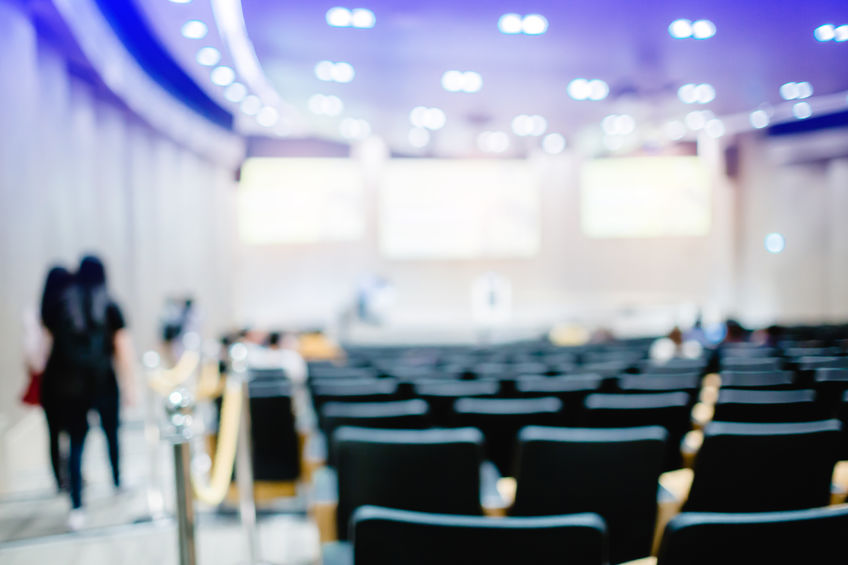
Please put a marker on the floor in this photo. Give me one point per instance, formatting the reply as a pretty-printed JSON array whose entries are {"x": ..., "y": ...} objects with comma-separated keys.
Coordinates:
[{"x": 135, "y": 525}]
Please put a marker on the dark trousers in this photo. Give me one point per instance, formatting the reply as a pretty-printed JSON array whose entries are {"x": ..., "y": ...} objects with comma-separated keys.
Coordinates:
[
  {"x": 54, "y": 427},
  {"x": 107, "y": 406},
  {"x": 75, "y": 466}
]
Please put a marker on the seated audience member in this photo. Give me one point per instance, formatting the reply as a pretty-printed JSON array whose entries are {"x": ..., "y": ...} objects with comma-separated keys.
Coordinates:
[{"x": 675, "y": 346}]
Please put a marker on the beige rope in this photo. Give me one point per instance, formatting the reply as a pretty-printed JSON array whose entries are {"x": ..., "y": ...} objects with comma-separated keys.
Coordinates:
[
  {"x": 164, "y": 381},
  {"x": 225, "y": 452}
]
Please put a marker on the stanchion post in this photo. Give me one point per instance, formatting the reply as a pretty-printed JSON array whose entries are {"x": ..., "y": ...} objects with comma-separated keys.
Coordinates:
[{"x": 179, "y": 406}]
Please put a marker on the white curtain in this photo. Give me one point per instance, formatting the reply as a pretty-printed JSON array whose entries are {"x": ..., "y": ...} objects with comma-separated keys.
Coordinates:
[{"x": 79, "y": 174}]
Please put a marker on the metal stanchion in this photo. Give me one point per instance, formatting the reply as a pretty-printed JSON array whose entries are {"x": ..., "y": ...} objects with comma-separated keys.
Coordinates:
[
  {"x": 155, "y": 487},
  {"x": 179, "y": 406},
  {"x": 244, "y": 457}
]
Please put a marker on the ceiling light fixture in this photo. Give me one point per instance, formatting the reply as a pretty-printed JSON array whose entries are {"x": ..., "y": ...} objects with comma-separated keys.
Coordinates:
[{"x": 194, "y": 29}]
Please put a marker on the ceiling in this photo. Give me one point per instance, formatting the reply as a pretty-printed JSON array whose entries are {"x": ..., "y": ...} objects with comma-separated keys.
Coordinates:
[{"x": 399, "y": 65}]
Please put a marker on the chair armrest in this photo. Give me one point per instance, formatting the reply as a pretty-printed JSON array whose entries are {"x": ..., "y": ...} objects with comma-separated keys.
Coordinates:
[
  {"x": 672, "y": 493},
  {"x": 643, "y": 561},
  {"x": 323, "y": 501},
  {"x": 839, "y": 487},
  {"x": 690, "y": 446},
  {"x": 491, "y": 500},
  {"x": 314, "y": 455}
]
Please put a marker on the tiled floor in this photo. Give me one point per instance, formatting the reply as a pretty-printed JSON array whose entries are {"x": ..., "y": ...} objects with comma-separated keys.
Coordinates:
[{"x": 135, "y": 525}]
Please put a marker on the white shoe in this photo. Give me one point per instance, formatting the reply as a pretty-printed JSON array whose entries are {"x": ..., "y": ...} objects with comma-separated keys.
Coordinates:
[{"x": 76, "y": 519}]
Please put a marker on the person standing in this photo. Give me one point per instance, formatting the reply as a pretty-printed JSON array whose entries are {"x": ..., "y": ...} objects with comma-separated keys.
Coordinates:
[
  {"x": 38, "y": 339},
  {"x": 89, "y": 334}
]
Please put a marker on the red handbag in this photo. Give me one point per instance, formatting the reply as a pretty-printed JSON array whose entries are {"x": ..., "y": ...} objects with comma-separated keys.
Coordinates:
[{"x": 32, "y": 395}]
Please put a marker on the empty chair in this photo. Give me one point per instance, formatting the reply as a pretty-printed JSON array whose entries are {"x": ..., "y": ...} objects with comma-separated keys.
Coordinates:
[
  {"x": 842, "y": 415},
  {"x": 342, "y": 372},
  {"x": 434, "y": 470},
  {"x": 359, "y": 390},
  {"x": 440, "y": 396},
  {"x": 815, "y": 535},
  {"x": 809, "y": 363},
  {"x": 830, "y": 384},
  {"x": 751, "y": 364},
  {"x": 570, "y": 389},
  {"x": 670, "y": 410},
  {"x": 744, "y": 467},
  {"x": 500, "y": 419},
  {"x": 688, "y": 383},
  {"x": 266, "y": 374},
  {"x": 747, "y": 405},
  {"x": 275, "y": 444},
  {"x": 613, "y": 472},
  {"x": 401, "y": 414},
  {"x": 383, "y": 536},
  {"x": 774, "y": 380},
  {"x": 674, "y": 365}
]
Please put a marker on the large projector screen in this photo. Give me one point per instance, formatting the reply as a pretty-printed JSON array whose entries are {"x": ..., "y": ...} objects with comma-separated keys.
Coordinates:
[
  {"x": 633, "y": 197},
  {"x": 300, "y": 200},
  {"x": 458, "y": 209}
]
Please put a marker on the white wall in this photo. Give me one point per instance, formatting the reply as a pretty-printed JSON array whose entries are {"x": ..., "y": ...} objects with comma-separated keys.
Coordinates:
[
  {"x": 797, "y": 186},
  {"x": 79, "y": 174},
  {"x": 573, "y": 278}
]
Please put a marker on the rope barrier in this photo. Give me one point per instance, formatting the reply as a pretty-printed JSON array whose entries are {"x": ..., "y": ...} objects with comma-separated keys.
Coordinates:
[
  {"x": 214, "y": 492},
  {"x": 209, "y": 385}
]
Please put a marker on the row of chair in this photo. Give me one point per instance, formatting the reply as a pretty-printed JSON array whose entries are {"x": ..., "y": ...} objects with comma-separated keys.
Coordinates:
[{"x": 612, "y": 472}]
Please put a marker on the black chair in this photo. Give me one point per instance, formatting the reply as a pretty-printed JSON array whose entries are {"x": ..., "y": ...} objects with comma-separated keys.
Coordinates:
[
  {"x": 746, "y": 405},
  {"x": 792, "y": 537},
  {"x": 674, "y": 365},
  {"x": 435, "y": 470},
  {"x": 352, "y": 390},
  {"x": 830, "y": 385},
  {"x": 751, "y": 364},
  {"x": 274, "y": 440},
  {"x": 613, "y": 472},
  {"x": 689, "y": 383},
  {"x": 744, "y": 467},
  {"x": 570, "y": 389},
  {"x": 441, "y": 395},
  {"x": 383, "y": 536},
  {"x": 500, "y": 419},
  {"x": 341, "y": 372},
  {"x": 670, "y": 410},
  {"x": 400, "y": 414},
  {"x": 766, "y": 380}
]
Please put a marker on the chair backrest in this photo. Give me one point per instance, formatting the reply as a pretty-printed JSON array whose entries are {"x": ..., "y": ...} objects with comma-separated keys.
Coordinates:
[
  {"x": 400, "y": 414},
  {"x": 441, "y": 395},
  {"x": 675, "y": 365},
  {"x": 816, "y": 535},
  {"x": 274, "y": 439},
  {"x": 830, "y": 385},
  {"x": 670, "y": 410},
  {"x": 751, "y": 363},
  {"x": 747, "y": 405},
  {"x": 434, "y": 470},
  {"x": 383, "y": 536},
  {"x": 352, "y": 390},
  {"x": 611, "y": 471},
  {"x": 773, "y": 380},
  {"x": 688, "y": 383},
  {"x": 570, "y": 389},
  {"x": 744, "y": 467},
  {"x": 500, "y": 419}
]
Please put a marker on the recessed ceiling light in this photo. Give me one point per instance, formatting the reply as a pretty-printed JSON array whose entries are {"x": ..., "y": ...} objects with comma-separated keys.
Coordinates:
[
  {"x": 841, "y": 33},
  {"x": 579, "y": 89},
  {"x": 774, "y": 243},
  {"x": 598, "y": 89},
  {"x": 208, "y": 56},
  {"x": 194, "y": 29},
  {"x": 534, "y": 24},
  {"x": 222, "y": 76},
  {"x": 759, "y": 119},
  {"x": 553, "y": 143},
  {"x": 363, "y": 18},
  {"x": 802, "y": 110},
  {"x": 714, "y": 128},
  {"x": 703, "y": 29},
  {"x": 825, "y": 32},
  {"x": 338, "y": 17},
  {"x": 343, "y": 72},
  {"x": 251, "y": 105},
  {"x": 680, "y": 29},
  {"x": 510, "y": 24},
  {"x": 235, "y": 92}
]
